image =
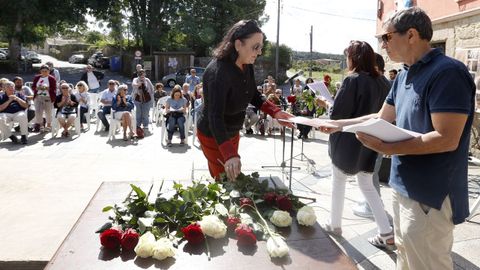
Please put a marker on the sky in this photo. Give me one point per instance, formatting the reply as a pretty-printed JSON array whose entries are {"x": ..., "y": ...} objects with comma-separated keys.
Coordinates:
[{"x": 335, "y": 23}]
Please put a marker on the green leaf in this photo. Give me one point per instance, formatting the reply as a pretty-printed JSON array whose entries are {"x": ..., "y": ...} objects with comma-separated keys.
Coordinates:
[
  {"x": 138, "y": 191},
  {"x": 221, "y": 209},
  {"x": 107, "y": 208},
  {"x": 160, "y": 220},
  {"x": 104, "y": 227}
]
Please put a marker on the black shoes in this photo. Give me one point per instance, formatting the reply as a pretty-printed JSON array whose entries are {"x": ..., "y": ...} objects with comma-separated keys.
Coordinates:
[
  {"x": 249, "y": 131},
  {"x": 13, "y": 138}
]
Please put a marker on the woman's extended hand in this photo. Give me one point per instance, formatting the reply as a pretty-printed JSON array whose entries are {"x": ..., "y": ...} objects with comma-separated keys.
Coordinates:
[
  {"x": 284, "y": 115},
  {"x": 330, "y": 127},
  {"x": 233, "y": 167}
]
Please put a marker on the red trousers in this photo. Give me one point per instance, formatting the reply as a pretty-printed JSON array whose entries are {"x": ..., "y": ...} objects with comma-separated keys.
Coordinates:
[{"x": 212, "y": 153}]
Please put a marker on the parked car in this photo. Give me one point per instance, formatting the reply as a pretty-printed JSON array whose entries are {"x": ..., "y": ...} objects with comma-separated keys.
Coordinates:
[
  {"x": 3, "y": 56},
  {"x": 179, "y": 77},
  {"x": 76, "y": 59},
  {"x": 33, "y": 57},
  {"x": 99, "y": 60}
]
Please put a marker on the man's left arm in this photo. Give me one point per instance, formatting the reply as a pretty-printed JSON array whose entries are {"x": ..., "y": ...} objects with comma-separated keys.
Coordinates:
[{"x": 448, "y": 128}]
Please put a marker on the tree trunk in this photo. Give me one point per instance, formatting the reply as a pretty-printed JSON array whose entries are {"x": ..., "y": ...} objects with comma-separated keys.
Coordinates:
[{"x": 14, "y": 45}]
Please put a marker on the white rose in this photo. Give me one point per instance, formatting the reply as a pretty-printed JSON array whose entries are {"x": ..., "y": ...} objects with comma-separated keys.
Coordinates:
[
  {"x": 145, "y": 245},
  {"x": 281, "y": 218},
  {"x": 277, "y": 247},
  {"x": 163, "y": 249},
  {"x": 306, "y": 216},
  {"x": 213, "y": 227}
]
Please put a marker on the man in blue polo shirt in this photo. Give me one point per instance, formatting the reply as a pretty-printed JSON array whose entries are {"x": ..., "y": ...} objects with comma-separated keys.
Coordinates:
[
  {"x": 192, "y": 80},
  {"x": 12, "y": 109},
  {"x": 433, "y": 95}
]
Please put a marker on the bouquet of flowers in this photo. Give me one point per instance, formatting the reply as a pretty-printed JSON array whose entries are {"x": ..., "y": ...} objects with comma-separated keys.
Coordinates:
[{"x": 248, "y": 208}]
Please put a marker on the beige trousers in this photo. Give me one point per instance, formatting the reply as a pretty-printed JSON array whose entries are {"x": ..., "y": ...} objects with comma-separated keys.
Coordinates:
[
  {"x": 423, "y": 235},
  {"x": 19, "y": 117},
  {"x": 43, "y": 103}
]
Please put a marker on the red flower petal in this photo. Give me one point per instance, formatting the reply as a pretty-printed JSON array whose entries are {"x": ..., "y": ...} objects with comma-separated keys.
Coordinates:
[{"x": 111, "y": 238}]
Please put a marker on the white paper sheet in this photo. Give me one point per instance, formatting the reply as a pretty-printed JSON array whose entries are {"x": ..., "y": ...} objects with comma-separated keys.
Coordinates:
[
  {"x": 313, "y": 122},
  {"x": 383, "y": 130},
  {"x": 321, "y": 90}
]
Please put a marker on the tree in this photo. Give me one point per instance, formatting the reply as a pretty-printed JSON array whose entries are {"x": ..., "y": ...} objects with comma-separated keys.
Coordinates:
[
  {"x": 180, "y": 24},
  {"x": 31, "y": 21}
]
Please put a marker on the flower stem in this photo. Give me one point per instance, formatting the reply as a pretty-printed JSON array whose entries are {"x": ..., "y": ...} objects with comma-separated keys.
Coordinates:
[{"x": 208, "y": 248}]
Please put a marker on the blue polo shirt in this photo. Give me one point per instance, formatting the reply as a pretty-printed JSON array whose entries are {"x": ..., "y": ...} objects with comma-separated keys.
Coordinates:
[
  {"x": 14, "y": 106},
  {"x": 435, "y": 84}
]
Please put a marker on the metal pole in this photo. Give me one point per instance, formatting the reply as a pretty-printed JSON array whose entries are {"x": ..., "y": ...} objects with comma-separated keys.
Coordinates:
[
  {"x": 311, "y": 54},
  {"x": 278, "y": 42}
]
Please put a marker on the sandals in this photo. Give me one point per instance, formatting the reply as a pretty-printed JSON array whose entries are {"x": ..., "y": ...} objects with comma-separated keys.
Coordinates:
[
  {"x": 381, "y": 241},
  {"x": 125, "y": 138}
]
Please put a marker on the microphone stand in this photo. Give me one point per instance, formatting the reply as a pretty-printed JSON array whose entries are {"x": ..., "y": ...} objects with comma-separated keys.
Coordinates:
[{"x": 283, "y": 164}]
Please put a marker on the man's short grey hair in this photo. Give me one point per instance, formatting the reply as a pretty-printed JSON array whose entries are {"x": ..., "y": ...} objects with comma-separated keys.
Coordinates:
[{"x": 413, "y": 17}]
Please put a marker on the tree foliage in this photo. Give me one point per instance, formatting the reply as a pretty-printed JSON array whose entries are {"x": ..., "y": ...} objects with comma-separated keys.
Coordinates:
[
  {"x": 31, "y": 21},
  {"x": 174, "y": 25}
]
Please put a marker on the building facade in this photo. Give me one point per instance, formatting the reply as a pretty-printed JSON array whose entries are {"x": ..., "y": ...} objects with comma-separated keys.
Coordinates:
[{"x": 456, "y": 25}]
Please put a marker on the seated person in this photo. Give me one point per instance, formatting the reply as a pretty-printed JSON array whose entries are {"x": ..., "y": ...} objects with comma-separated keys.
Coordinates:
[
  {"x": 159, "y": 92},
  {"x": 83, "y": 98},
  {"x": 303, "y": 110},
  {"x": 123, "y": 105},
  {"x": 176, "y": 108},
  {"x": 251, "y": 118},
  {"x": 198, "y": 104},
  {"x": 12, "y": 108},
  {"x": 66, "y": 104},
  {"x": 106, "y": 98},
  {"x": 28, "y": 93},
  {"x": 273, "y": 123}
]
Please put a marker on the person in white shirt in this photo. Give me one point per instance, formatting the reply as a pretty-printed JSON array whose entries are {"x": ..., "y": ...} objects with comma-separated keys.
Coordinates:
[
  {"x": 106, "y": 103},
  {"x": 83, "y": 98},
  {"x": 28, "y": 93},
  {"x": 54, "y": 72},
  {"x": 92, "y": 78}
]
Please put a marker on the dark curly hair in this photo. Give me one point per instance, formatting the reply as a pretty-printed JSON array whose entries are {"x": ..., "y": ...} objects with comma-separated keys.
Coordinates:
[{"x": 242, "y": 30}]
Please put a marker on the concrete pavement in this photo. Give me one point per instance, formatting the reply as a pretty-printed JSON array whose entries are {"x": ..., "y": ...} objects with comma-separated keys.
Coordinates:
[{"x": 45, "y": 186}]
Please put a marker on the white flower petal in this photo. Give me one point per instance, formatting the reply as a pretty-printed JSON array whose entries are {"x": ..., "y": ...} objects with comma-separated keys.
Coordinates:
[
  {"x": 213, "y": 227},
  {"x": 281, "y": 218},
  {"x": 277, "y": 247}
]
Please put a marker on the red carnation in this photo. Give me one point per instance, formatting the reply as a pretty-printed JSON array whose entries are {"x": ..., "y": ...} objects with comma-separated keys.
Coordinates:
[
  {"x": 246, "y": 201},
  {"x": 232, "y": 222},
  {"x": 193, "y": 233},
  {"x": 245, "y": 235},
  {"x": 284, "y": 203},
  {"x": 270, "y": 197},
  {"x": 129, "y": 239},
  {"x": 111, "y": 238},
  {"x": 291, "y": 99}
]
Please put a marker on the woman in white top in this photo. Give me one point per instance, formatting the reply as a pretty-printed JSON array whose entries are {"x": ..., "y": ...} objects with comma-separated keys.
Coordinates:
[{"x": 83, "y": 98}]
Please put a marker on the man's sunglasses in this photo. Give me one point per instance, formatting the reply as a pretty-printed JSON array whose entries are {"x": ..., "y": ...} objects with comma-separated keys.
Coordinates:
[{"x": 388, "y": 36}]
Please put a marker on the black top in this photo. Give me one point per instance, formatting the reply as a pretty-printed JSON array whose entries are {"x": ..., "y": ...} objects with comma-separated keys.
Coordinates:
[
  {"x": 359, "y": 95},
  {"x": 227, "y": 90},
  {"x": 66, "y": 109}
]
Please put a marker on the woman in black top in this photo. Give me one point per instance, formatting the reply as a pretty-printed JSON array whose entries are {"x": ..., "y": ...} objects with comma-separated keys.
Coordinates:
[
  {"x": 362, "y": 92},
  {"x": 228, "y": 86}
]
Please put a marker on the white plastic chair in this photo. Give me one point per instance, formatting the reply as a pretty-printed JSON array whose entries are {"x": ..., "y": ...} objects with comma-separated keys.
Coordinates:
[
  {"x": 164, "y": 127},
  {"x": 56, "y": 125},
  {"x": 159, "y": 111},
  {"x": 116, "y": 124}
]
